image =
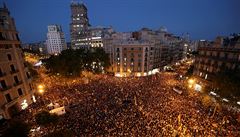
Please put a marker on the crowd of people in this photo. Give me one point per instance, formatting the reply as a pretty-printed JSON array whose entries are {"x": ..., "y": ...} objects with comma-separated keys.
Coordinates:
[{"x": 135, "y": 106}]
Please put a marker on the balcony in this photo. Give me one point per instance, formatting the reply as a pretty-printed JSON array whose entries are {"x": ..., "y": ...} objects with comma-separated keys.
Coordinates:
[{"x": 14, "y": 71}]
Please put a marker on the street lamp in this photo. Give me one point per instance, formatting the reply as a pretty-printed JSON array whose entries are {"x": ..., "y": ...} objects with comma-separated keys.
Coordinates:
[
  {"x": 40, "y": 88},
  {"x": 191, "y": 81}
]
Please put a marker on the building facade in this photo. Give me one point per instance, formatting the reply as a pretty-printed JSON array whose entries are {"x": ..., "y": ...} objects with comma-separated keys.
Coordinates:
[
  {"x": 55, "y": 40},
  {"x": 133, "y": 58},
  {"x": 218, "y": 56},
  {"x": 16, "y": 89},
  {"x": 156, "y": 49},
  {"x": 79, "y": 27}
]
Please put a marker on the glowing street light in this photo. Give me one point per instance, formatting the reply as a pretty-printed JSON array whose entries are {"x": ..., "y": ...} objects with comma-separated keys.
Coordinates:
[
  {"x": 41, "y": 91},
  {"x": 191, "y": 81},
  {"x": 40, "y": 88}
]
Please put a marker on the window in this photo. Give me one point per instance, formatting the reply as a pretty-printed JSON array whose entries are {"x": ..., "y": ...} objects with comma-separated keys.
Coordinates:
[
  {"x": 16, "y": 79},
  {"x": 20, "y": 92},
  {"x": 2, "y": 36},
  {"x": 30, "y": 86},
  {"x": 132, "y": 54},
  {"x": 118, "y": 49},
  {"x": 139, "y": 69},
  {"x": 12, "y": 68},
  {"x": 17, "y": 37},
  {"x": 9, "y": 57},
  {"x": 8, "y": 97},
  {"x": 28, "y": 74},
  {"x": 3, "y": 84},
  {"x": 1, "y": 73}
]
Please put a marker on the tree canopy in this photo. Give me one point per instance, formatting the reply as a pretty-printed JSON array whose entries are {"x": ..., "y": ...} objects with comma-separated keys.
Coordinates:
[
  {"x": 44, "y": 118},
  {"x": 228, "y": 82},
  {"x": 17, "y": 128},
  {"x": 73, "y": 62}
]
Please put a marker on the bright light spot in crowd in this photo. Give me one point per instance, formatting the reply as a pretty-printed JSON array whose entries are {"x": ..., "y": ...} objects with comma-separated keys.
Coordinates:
[
  {"x": 118, "y": 75},
  {"x": 226, "y": 100},
  {"x": 144, "y": 74},
  {"x": 198, "y": 87},
  {"x": 150, "y": 73},
  {"x": 34, "y": 99},
  {"x": 40, "y": 86},
  {"x": 41, "y": 90},
  {"x": 38, "y": 64},
  {"x": 24, "y": 104},
  {"x": 191, "y": 81},
  {"x": 238, "y": 102},
  {"x": 213, "y": 93},
  {"x": 138, "y": 74}
]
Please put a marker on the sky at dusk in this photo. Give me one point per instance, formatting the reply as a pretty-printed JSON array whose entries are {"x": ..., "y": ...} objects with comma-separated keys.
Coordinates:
[{"x": 202, "y": 19}]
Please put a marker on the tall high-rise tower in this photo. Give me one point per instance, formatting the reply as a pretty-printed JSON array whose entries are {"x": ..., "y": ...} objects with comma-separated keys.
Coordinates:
[
  {"x": 16, "y": 91},
  {"x": 79, "y": 26},
  {"x": 55, "y": 40}
]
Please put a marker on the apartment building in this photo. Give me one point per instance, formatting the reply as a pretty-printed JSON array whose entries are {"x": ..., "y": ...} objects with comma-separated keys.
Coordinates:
[
  {"x": 218, "y": 56},
  {"x": 55, "y": 40},
  {"x": 16, "y": 89}
]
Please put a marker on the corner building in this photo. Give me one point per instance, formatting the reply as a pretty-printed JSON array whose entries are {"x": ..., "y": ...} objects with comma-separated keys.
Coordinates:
[
  {"x": 16, "y": 89},
  {"x": 55, "y": 40},
  {"x": 218, "y": 56},
  {"x": 79, "y": 27}
]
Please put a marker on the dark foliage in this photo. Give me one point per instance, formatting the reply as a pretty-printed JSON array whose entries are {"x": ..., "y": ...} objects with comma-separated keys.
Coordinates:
[
  {"x": 17, "y": 128},
  {"x": 73, "y": 62},
  {"x": 44, "y": 118}
]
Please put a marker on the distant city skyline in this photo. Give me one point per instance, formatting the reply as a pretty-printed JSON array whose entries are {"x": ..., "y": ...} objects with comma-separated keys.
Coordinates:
[{"x": 201, "y": 19}]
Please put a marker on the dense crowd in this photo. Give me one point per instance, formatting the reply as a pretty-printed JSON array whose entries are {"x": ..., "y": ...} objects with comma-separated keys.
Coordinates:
[{"x": 146, "y": 106}]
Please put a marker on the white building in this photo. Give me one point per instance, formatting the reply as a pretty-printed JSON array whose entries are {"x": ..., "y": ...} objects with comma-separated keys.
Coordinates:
[{"x": 55, "y": 40}]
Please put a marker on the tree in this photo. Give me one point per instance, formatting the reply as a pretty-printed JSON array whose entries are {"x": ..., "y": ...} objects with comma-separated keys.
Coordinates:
[
  {"x": 73, "y": 62},
  {"x": 44, "y": 118},
  {"x": 228, "y": 82},
  {"x": 32, "y": 71},
  {"x": 17, "y": 128},
  {"x": 190, "y": 71}
]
